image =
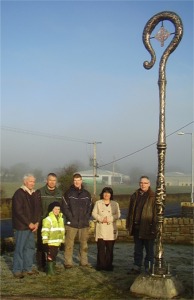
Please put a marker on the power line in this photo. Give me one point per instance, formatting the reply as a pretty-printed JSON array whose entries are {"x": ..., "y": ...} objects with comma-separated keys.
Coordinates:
[
  {"x": 47, "y": 135},
  {"x": 144, "y": 147},
  {"x": 83, "y": 141}
]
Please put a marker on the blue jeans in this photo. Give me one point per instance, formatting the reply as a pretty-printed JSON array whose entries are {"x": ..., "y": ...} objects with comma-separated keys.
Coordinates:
[
  {"x": 138, "y": 251},
  {"x": 24, "y": 251}
]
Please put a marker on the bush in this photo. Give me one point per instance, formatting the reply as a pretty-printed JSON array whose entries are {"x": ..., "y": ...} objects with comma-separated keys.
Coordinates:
[{"x": 65, "y": 178}]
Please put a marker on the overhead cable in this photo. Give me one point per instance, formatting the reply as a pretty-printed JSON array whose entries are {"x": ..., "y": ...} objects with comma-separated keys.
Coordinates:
[
  {"x": 48, "y": 135},
  {"x": 139, "y": 150}
]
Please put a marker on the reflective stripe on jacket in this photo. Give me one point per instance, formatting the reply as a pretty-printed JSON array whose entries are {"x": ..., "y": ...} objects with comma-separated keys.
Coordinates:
[
  {"x": 77, "y": 207},
  {"x": 53, "y": 230}
]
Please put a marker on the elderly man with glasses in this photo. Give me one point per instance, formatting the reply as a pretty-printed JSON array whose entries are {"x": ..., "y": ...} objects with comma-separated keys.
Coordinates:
[{"x": 141, "y": 224}]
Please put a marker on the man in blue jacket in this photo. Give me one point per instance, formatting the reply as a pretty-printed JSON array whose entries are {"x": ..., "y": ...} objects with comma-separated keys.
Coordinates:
[{"x": 77, "y": 207}]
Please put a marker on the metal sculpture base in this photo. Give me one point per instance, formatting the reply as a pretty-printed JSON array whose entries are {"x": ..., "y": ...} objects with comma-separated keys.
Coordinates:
[{"x": 157, "y": 286}]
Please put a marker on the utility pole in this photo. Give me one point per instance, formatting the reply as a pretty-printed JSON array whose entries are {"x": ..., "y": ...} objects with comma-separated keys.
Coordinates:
[
  {"x": 192, "y": 161},
  {"x": 113, "y": 171},
  {"x": 94, "y": 167}
]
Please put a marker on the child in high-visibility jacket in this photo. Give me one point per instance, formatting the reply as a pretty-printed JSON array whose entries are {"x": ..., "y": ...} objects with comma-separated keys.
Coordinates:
[{"x": 53, "y": 235}]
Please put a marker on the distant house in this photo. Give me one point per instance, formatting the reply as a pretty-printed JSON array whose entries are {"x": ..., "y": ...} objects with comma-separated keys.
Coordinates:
[
  {"x": 177, "y": 179},
  {"x": 104, "y": 176}
]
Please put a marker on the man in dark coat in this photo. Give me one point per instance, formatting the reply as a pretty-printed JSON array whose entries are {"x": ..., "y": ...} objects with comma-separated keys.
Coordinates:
[
  {"x": 77, "y": 207},
  {"x": 25, "y": 218},
  {"x": 48, "y": 194},
  {"x": 141, "y": 224}
]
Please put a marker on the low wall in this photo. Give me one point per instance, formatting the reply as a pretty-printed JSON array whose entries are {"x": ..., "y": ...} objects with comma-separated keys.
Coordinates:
[
  {"x": 187, "y": 210},
  {"x": 176, "y": 231}
]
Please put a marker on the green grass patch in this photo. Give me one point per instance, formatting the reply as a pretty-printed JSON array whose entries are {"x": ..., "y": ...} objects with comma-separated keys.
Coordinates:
[{"x": 9, "y": 188}]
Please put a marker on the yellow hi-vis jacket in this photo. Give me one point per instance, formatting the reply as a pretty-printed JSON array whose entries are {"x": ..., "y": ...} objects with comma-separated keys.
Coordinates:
[{"x": 53, "y": 230}]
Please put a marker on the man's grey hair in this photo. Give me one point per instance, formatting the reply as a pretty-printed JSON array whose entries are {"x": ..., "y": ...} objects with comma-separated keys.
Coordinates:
[
  {"x": 26, "y": 176},
  {"x": 144, "y": 176}
]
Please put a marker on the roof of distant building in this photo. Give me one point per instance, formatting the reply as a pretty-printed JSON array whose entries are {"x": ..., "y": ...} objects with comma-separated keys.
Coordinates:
[
  {"x": 176, "y": 174},
  {"x": 100, "y": 172}
]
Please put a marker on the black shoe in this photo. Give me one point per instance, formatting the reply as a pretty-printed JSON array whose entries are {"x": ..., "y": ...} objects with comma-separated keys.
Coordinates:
[
  {"x": 109, "y": 269},
  {"x": 147, "y": 270}
]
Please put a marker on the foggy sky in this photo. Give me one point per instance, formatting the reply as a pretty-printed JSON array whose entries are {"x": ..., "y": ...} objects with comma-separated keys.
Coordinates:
[{"x": 75, "y": 69}]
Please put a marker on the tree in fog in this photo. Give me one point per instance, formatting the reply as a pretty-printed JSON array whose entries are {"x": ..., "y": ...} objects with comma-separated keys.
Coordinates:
[
  {"x": 38, "y": 175},
  {"x": 135, "y": 173},
  {"x": 65, "y": 177},
  {"x": 19, "y": 170},
  {"x": 16, "y": 173},
  {"x": 5, "y": 174}
]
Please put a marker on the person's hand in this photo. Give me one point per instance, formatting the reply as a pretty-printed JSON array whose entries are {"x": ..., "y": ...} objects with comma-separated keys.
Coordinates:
[
  {"x": 104, "y": 220},
  {"x": 35, "y": 227},
  {"x": 31, "y": 226}
]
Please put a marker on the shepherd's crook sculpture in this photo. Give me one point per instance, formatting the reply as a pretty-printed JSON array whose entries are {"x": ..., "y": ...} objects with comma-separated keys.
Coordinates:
[
  {"x": 162, "y": 35},
  {"x": 160, "y": 283}
]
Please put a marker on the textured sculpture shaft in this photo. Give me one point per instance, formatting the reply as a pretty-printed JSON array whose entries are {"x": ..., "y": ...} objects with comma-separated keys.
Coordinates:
[{"x": 161, "y": 145}]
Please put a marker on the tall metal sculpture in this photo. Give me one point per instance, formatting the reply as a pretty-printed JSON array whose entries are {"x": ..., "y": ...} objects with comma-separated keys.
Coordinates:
[{"x": 162, "y": 35}]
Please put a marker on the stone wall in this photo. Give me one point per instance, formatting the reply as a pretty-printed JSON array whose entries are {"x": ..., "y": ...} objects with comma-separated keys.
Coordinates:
[{"x": 176, "y": 231}]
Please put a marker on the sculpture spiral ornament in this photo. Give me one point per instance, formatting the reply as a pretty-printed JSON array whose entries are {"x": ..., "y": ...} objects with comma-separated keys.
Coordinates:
[{"x": 161, "y": 145}]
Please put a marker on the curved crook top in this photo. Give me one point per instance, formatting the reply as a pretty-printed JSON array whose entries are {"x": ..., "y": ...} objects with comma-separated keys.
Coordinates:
[{"x": 149, "y": 27}]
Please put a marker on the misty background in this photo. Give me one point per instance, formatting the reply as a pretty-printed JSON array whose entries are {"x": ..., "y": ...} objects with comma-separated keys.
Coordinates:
[{"x": 72, "y": 74}]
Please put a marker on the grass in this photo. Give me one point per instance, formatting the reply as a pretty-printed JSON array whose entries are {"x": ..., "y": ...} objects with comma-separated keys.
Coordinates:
[
  {"x": 88, "y": 284},
  {"x": 121, "y": 194},
  {"x": 8, "y": 188},
  {"x": 76, "y": 283}
]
